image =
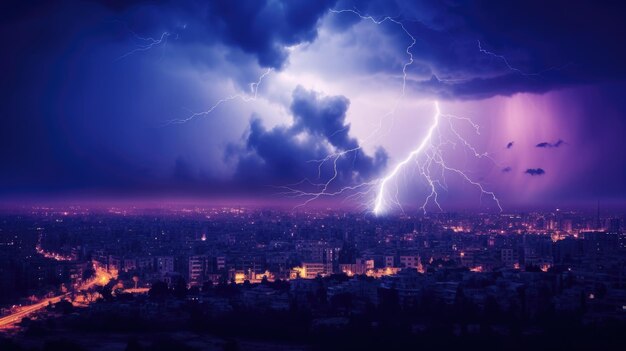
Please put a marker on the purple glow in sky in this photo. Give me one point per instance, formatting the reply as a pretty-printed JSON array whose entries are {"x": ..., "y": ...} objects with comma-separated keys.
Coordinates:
[{"x": 86, "y": 105}]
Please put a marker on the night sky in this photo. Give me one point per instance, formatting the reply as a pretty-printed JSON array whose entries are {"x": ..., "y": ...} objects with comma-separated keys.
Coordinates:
[{"x": 106, "y": 98}]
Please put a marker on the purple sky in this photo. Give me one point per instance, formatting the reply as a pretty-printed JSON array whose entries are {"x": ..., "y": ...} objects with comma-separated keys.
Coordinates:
[{"x": 92, "y": 108}]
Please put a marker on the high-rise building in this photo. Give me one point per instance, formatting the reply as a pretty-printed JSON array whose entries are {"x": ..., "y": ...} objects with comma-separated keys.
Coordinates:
[{"x": 197, "y": 269}]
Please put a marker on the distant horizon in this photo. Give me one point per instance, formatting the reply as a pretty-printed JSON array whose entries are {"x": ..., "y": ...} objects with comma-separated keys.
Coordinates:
[{"x": 285, "y": 205}]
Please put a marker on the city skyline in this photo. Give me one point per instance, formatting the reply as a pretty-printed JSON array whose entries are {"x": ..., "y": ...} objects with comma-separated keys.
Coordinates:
[{"x": 239, "y": 275}]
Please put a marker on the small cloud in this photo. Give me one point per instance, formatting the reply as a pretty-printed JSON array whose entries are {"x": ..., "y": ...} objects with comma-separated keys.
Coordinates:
[
  {"x": 546, "y": 144},
  {"x": 506, "y": 169},
  {"x": 509, "y": 145},
  {"x": 535, "y": 171}
]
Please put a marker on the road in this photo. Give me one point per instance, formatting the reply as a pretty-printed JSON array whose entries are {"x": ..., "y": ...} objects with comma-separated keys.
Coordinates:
[
  {"x": 137, "y": 290},
  {"x": 13, "y": 318},
  {"x": 102, "y": 277}
]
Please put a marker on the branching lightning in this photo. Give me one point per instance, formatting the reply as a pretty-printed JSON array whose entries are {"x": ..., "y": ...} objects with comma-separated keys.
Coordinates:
[
  {"x": 251, "y": 96},
  {"x": 146, "y": 43},
  {"x": 378, "y": 195},
  {"x": 334, "y": 157},
  {"x": 427, "y": 157},
  {"x": 503, "y": 59},
  {"x": 515, "y": 69}
]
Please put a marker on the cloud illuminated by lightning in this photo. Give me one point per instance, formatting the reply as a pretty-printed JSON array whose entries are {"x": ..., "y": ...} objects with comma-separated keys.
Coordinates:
[
  {"x": 334, "y": 157},
  {"x": 428, "y": 156},
  {"x": 380, "y": 195},
  {"x": 428, "y": 162}
]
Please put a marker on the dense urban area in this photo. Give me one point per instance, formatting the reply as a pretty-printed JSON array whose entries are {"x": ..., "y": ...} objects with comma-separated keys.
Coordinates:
[{"x": 194, "y": 278}]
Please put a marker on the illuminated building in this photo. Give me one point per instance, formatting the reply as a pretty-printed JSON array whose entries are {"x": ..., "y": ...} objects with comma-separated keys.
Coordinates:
[
  {"x": 197, "y": 269},
  {"x": 410, "y": 261}
]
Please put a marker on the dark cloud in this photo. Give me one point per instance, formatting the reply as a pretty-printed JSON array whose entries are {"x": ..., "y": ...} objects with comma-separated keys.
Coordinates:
[
  {"x": 266, "y": 27},
  {"x": 585, "y": 36},
  {"x": 535, "y": 171},
  {"x": 76, "y": 118},
  {"x": 121, "y": 5},
  {"x": 322, "y": 117},
  {"x": 536, "y": 52},
  {"x": 287, "y": 154},
  {"x": 546, "y": 144},
  {"x": 507, "y": 169},
  {"x": 506, "y": 84},
  {"x": 509, "y": 145}
]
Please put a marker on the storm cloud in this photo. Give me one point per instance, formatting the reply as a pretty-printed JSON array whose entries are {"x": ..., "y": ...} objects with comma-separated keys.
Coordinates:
[
  {"x": 537, "y": 52},
  {"x": 293, "y": 153},
  {"x": 77, "y": 118},
  {"x": 265, "y": 28}
]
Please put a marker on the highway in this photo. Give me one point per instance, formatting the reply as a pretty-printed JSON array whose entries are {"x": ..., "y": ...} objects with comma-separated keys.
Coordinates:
[
  {"x": 13, "y": 318},
  {"x": 102, "y": 277}
]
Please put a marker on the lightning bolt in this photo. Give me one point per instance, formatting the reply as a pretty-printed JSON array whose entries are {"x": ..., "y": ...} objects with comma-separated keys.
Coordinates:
[
  {"x": 428, "y": 155},
  {"x": 252, "y": 96},
  {"x": 409, "y": 62},
  {"x": 334, "y": 157},
  {"x": 515, "y": 69},
  {"x": 147, "y": 43},
  {"x": 378, "y": 205}
]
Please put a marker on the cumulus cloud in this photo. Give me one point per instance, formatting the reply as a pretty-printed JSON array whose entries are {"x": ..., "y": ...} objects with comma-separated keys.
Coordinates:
[
  {"x": 286, "y": 154},
  {"x": 535, "y": 171}
]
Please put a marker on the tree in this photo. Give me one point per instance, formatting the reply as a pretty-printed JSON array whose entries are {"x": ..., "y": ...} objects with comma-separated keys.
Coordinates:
[
  {"x": 106, "y": 291},
  {"x": 64, "y": 307},
  {"x": 207, "y": 286},
  {"x": 88, "y": 273},
  {"x": 158, "y": 290},
  {"x": 180, "y": 288}
]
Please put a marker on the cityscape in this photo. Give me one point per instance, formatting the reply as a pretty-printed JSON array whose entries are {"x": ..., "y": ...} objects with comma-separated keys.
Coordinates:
[
  {"x": 304, "y": 278},
  {"x": 311, "y": 175}
]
